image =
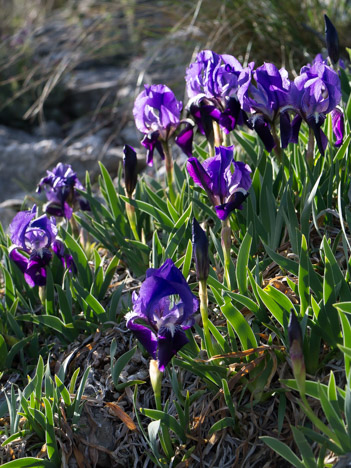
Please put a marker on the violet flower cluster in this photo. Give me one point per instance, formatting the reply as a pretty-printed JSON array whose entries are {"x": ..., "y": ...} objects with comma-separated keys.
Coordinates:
[
  {"x": 34, "y": 240},
  {"x": 225, "y": 189},
  {"x": 221, "y": 90},
  {"x": 158, "y": 318},
  {"x": 60, "y": 186}
]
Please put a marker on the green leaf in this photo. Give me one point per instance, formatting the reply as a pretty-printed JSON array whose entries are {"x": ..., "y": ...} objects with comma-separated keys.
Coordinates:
[
  {"x": 29, "y": 462},
  {"x": 304, "y": 448},
  {"x": 156, "y": 213},
  {"x": 303, "y": 283},
  {"x": 51, "y": 444},
  {"x": 168, "y": 420},
  {"x": 119, "y": 365},
  {"x": 228, "y": 398},
  {"x": 78, "y": 398},
  {"x": 63, "y": 391},
  {"x": 111, "y": 192},
  {"x": 65, "y": 306},
  {"x": 240, "y": 325},
  {"x": 187, "y": 259},
  {"x": 221, "y": 424},
  {"x": 283, "y": 450},
  {"x": 52, "y": 322},
  {"x": 79, "y": 257},
  {"x": 3, "y": 353},
  {"x": 334, "y": 420},
  {"x": 242, "y": 263},
  {"x": 342, "y": 150}
]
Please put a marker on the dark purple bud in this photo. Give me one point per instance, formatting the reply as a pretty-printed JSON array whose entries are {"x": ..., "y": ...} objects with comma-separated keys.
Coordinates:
[
  {"x": 130, "y": 169},
  {"x": 332, "y": 40},
  {"x": 338, "y": 126},
  {"x": 200, "y": 249},
  {"x": 296, "y": 351}
]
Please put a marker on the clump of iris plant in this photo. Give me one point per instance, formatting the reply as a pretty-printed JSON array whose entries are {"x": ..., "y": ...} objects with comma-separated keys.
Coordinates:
[
  {"x": 34, "y": 240},
  {"x": 157, "y": 114},
  {"x": 60, "y": 186},
  {"x": 162, "y": 311}
]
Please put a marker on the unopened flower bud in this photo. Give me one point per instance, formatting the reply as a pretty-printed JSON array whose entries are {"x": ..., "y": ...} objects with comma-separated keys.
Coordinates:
[
  {"x": 155, "y": 377},
  {"x": 130, "y": 169},
  {"x": 200, "y": 249},
  {"x": 338, "y": 126},
  {"x": 332, "y": 40},
  {"x": 296, "y": 351}
]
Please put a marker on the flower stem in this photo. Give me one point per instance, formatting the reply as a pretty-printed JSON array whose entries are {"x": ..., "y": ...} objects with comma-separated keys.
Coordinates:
[
  {"x": 217, "y": 134},
  {"x": 169, "y": 170},
  {"x": 317, "y": 422},
  {"x": 204, "y": 316},
  {"x": 156, "y": 383},
  {"x": 226, "y": 244},
  {"x": 277, "y": 148},
  {"x": 130, "y": 209},
  {"x": 310, "y": 148}
]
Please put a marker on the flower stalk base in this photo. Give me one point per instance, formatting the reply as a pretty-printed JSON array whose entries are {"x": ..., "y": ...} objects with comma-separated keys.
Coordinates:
[
  {"x": 226, "y": 244},
  {"x": 204, "y": 316}
]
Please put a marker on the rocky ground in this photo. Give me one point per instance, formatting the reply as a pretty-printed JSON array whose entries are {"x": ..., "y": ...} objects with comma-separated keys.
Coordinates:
[{"x": 81, "y": 112}]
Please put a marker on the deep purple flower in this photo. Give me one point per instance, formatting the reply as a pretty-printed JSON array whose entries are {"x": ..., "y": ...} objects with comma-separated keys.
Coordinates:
[
  {"x": 212, "y": 84},
  {"x": 225, "y": 189},
  {"x": 338, "y": 126},
  {"x": 315, "y": 93},
  {"x": 34, "y": 236},
  {"x": 156, "y": 112},
  {"x": 267, "y": 101},
  {"x": 162, "y": 311},
  {"x": 60, "y": 186}
]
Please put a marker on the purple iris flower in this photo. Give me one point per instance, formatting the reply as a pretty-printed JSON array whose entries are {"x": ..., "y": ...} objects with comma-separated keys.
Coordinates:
[
  {"x": 226, "y": 189},
  {"x": 162, "y": 311},
  {"x": 36, "y": 237},
  {"x": 60, "y": 188},
  {"x": 33, "y": 236},
  {"x": 314, "y": 93},
  {"x": 157, "y": 114},
  {"x": 212, "y": 84},
  {"x": 268, "y": 100}
]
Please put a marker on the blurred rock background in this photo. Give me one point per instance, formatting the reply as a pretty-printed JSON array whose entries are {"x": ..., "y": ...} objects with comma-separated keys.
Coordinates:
[{"x": 71, "y": 69}]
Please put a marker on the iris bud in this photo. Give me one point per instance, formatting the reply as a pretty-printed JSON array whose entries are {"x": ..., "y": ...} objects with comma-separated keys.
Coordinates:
[
  {"x": 200, "y": 248},
  {"x": 130, "y": 169},
  {"x": 296, "y": 351},
  {"x": 332, "y": 40}
]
